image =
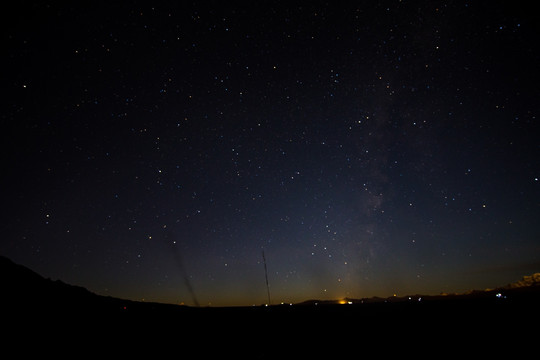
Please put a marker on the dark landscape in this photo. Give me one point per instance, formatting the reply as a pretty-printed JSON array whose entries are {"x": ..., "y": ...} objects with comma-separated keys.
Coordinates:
[{"x": 477, "y": 320}]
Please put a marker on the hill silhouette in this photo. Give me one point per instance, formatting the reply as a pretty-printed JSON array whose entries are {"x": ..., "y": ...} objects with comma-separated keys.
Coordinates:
[
  {"x": 25, "y": 289},
  {"x": 526, "y": 289},
  {"x": 29, "y": 295},
  {"x": 478, "y": 320}
]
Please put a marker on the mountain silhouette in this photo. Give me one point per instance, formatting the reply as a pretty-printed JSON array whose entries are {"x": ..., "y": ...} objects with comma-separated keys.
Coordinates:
[
  {"x": 28, "y": 292},
  {"x": 48, "y": 310}
]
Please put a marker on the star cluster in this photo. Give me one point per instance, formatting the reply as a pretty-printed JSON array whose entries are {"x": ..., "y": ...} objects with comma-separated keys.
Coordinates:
[{"x": 154, "y": 152}]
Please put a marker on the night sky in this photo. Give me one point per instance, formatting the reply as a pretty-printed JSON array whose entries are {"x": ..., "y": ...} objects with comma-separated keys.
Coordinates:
[{"x": 153, "y": 151}]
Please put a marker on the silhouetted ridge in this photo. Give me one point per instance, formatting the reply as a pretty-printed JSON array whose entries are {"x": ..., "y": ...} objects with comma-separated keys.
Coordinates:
[
  {"x": 26, "y": 292},
  {"x": 23, "y": 288}
]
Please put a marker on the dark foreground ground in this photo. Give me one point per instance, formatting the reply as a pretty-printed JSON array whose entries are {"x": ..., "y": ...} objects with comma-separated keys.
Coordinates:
[
  {"x": 451, "y": 327},
  {"x": 44, "y": 317}
]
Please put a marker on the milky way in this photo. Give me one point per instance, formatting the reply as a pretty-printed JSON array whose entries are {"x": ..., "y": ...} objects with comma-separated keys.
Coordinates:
[{"x": 154, "y": 151}]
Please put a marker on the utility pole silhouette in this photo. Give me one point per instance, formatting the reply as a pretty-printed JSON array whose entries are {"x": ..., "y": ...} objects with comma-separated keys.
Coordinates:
[{"x": 266, "y": 277}]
